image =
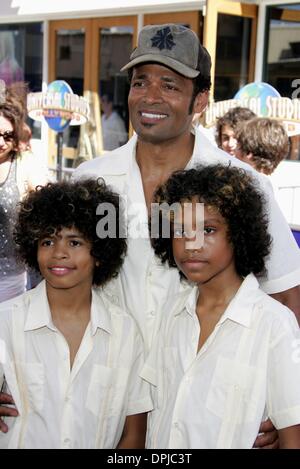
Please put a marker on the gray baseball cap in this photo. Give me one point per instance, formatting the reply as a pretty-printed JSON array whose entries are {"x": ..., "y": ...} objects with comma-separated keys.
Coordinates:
[{"x": 172, "y": 45}]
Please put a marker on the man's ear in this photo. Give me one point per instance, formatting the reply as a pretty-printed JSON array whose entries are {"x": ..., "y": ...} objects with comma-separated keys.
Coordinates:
[{"x": 201, "y": 102}]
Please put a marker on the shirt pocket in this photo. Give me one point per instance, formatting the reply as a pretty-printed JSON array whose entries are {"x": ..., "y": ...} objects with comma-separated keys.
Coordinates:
[
  {"x": 34, "y": 380},
  {"x": 107, "y": 391},
  {"x": 239, "y": 385}
]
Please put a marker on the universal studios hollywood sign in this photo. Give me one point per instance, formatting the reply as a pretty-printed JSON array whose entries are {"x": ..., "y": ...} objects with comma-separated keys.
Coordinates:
[
  {"x": 58, "y": 102},
  {"x": 264, "y": 101}
]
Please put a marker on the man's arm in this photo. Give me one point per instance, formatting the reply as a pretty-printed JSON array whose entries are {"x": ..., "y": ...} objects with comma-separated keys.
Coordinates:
[
  {"x": 5, "y": 400},
  {"x": 289, "y": 438},
  {"x": 291, "y": 299},
  {"x": 134, "y": 433}
]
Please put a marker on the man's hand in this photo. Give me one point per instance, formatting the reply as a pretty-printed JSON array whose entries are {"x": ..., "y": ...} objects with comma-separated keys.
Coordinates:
[
  {"x": 5, "y": 400},
  {"x": 269, "y": 439}
]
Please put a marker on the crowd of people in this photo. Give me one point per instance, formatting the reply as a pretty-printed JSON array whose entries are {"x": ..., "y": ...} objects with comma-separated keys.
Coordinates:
[
  {"x": 161, "y": 338},
  {"x": 259, "y": 141}
]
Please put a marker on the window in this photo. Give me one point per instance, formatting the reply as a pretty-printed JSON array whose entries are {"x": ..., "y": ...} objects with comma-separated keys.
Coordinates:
[
  {"x": 21, "y": 58},
  {"x": 232, "y": 55},
  {"x": 282, "y": 55},
  {"x": 21, "y": 54}
]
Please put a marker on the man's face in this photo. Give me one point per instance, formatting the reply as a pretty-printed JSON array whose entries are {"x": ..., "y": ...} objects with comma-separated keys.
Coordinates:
[{"x": 158, "y": 102}]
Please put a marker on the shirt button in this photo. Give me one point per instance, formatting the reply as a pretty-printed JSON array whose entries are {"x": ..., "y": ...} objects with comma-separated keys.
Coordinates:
[
  {"x": 175, "y": 425},
  {"x": 152, "y": 313}
]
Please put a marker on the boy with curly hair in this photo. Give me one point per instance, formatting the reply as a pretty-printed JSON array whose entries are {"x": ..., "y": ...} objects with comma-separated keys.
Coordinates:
[
  {"x": 227, "y": 125},
  {"x": 225, "y": 358},
  {"x": 70, "y": 357},
  {"x": 262, "y": 143}
]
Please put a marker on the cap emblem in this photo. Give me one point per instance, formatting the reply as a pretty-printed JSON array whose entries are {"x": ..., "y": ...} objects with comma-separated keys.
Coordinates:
[{"x": 163, "y": 39}]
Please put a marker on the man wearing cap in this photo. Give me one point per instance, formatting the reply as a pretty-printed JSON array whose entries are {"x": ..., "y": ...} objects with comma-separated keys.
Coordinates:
[{"x": 169, "y": 73}]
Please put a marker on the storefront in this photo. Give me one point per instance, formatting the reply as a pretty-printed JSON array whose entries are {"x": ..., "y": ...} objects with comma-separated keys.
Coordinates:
[
  {"x": 44, "y": 41},
  {"x": 86, "y": 48}
]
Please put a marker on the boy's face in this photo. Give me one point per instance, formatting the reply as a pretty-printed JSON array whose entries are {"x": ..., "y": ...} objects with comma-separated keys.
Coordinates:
[
  {"x": 211, "y": 260},
  {"x": 228, "y": 140},
  {"x": 65, "y": 260}
]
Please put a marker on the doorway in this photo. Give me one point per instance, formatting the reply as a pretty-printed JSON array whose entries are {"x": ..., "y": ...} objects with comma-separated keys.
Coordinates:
[{"x": 88, "y": 55}]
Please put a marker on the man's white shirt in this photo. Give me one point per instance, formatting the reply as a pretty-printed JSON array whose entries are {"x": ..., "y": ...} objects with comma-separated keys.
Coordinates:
[
  {"x": 146, "y": 284},
  {"x": 246, "y": 371},
  {"x": 59, "y": 407}
]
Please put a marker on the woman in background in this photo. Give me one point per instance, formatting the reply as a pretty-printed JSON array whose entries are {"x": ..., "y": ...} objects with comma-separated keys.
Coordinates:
[{"x": 20, "y": 172}]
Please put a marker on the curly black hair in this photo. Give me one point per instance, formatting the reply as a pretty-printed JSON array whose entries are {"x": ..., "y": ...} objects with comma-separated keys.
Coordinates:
[
  {"x": 55, "y": 206},
  {"x": 233, "y": 192}
]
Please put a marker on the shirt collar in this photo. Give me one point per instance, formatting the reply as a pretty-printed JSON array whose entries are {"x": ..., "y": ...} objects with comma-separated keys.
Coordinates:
[
  {"x": 131, "y": 162},
  {"x": 205, "y": 152},
  {"x": 239, "y": 310},
  {"x": 39, "y": 314},
  {"x": 191, "y": 301},
  {"x": 100, "y": 316},
  {"x": 186, "y": 299}
]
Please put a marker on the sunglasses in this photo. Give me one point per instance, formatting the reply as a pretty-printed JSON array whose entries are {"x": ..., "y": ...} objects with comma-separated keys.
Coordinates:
[{"x": 7, "y": 136}]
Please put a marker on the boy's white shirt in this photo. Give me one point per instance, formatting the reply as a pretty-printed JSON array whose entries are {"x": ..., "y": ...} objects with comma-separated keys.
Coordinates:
[
  {"x": 84, "y": 407},
  {"x": 247, "y": 370},
  {"x": 145, "y": 283}
]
